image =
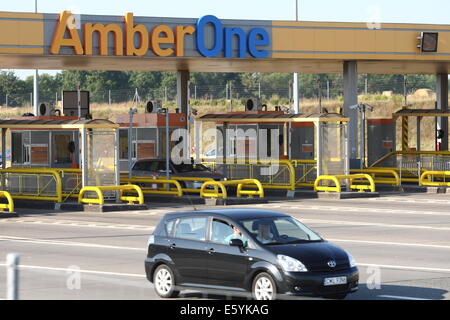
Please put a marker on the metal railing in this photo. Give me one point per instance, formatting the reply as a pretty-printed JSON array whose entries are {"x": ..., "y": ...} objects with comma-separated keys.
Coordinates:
[
  {"x": 305, "y": 172},
  {"x": 273, "y": 174},
  {"x": 10, "y": 202},
  {"x": 100, "y": 200},
  {"x": 32, "y": 183},
  {"x": 240, "y": 184},
  {"x": 410, "y": 165},
  {"x": 381, "y": 175},
  {"x": 428, "y": 179},
  {"x": 142, "y": 182},
  {"x": 354, "y": 179}
]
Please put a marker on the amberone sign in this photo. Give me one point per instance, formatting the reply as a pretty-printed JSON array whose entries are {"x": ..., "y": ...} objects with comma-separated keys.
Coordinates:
[
  {"x": 160, "y": 35},
  {"x": 209, "y": 44}
]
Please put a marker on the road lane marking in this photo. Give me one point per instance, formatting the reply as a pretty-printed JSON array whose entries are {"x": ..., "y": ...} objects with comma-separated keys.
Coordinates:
[
  {"x": 287, "y": 205},
  {"x": 360, "y": 223},
  {"x": 401, "y": 297},
  {"x": 87, "y": 224},
  {"x": 105, "y": 273},
  {"x": 391, "y": 243},
  {"x": 403, "y": 267},
  {"x": 67, "y": 243},
  {"x": 375, "y": 210}
]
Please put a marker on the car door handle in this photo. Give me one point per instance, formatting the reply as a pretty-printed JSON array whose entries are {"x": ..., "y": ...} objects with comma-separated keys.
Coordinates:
[
  {"x": 211, "y": 251},
  {"x": 172, "y": 246}
]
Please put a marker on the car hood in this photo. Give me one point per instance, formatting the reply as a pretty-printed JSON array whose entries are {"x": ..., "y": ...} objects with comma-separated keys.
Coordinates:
[{"x": 315, "y": 255}]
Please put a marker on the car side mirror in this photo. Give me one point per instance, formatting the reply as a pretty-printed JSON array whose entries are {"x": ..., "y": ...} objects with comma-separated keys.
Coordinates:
[{"x": 237, "y": 243}]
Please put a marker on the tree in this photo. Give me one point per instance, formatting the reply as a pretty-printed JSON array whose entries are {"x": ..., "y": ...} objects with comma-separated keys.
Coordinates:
[{"x": 12, "y": 86}]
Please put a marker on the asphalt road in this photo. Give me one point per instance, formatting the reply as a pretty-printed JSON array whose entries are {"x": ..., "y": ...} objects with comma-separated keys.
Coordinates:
[{"x": 401, "y": 244}]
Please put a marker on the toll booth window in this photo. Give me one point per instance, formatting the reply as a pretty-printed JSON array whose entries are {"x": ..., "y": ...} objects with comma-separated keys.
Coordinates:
[
  {"x": 16, "y": 147},
  {"x": 123, "y": 144},
  {"x": 62, "y": 152}
]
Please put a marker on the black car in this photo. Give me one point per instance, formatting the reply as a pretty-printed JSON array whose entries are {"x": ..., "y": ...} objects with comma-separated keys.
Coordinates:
[
  {"x": 263, "y": 252},
  {"x": 148, "y": 167}
]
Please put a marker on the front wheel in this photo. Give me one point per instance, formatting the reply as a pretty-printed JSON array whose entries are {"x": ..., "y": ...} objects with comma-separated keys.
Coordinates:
[
  {"x": 264, "y": 287},
  {"x": 164, "y": 282}
]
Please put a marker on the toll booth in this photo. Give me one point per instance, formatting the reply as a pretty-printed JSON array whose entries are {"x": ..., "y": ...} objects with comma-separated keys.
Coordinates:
[
  {"x": 63, "y": 143},
  {"x": 253, "y": 139},
  {"x": 320, "y": 139},
  {"x": 419, "y": 114},
  {"x": 381, "y": 139},
  {"x": 148, "y": 134},
  {"x": 45, "y": 148}
]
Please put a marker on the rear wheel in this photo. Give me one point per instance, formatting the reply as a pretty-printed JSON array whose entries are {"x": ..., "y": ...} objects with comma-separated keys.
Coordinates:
[
  {"x": 164, "y": 282},
  {"x": 264, "y": 287}
]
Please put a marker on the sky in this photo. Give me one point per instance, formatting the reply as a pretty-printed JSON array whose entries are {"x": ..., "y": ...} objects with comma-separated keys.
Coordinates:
[{"x": 396, "y": 11}]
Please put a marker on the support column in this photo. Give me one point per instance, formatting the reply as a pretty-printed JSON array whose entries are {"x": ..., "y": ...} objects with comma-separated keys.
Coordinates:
[
  {"x": 84, "y": 160},
  {"x": 183, "y": 90},
  {"x": 4, "y": 148},
  {"x": 351, "y": 99},
  {"x": 442, "y": 105}
]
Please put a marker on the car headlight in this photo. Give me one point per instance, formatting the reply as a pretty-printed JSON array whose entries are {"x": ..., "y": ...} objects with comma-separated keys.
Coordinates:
[
  {"x": 290, "y": 264},
  {"x": 351, "y": 260}
]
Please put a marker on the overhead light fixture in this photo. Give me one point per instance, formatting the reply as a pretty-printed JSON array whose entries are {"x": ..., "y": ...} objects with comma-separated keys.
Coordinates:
[{"x": 428, "y": 41}]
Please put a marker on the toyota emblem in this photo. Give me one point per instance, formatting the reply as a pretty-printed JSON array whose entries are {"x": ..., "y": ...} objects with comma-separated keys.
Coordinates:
[{"x": 332, "y": 263}]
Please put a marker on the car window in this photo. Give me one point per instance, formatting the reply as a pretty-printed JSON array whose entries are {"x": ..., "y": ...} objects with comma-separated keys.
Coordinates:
[
  {"x": 222, "y": 232},
  {"x": 279, "y": 230},
  {"x": 169, "y": 227},
  {"x": 191, "y": 228},
  {"x": 142, "y": 166}
]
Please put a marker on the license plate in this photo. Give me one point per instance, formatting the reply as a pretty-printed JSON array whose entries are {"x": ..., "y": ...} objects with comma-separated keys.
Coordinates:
[{"x": 335, "y": 281}]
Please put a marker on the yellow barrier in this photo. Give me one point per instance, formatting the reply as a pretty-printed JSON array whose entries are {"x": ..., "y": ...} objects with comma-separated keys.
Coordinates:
[
  {"x": 99, "y": 191},
  {"x": 429, "y": 174},
  {"x": 177, "y": 191},
  {"x": 351, "y": 178},
  {"x": 379, "y": 175},
  {"x": 10, "y": 204},
  {"x": 289, "y": 185},
  {"x": 35, "y": 172},
  {"x": 393, "y": 153},
  {"x": 204, "y": 192}
]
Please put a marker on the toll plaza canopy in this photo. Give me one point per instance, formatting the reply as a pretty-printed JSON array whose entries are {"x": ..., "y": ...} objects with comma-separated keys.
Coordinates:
[{"x": 208, "y": 44}]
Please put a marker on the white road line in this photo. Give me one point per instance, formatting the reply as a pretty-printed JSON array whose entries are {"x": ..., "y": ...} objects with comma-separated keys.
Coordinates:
[
  {"x": 67, "y": 243},
  {"x": 403, "y": 267},
  {"x": 106, "y": 273},
  {"x": 391, "y": 243},
  {"x": 364, "y": 209},
  {"x": 401, "y": 297},
  {"x": 73, "y": 223},
  {"x": 360, "y": 223}
]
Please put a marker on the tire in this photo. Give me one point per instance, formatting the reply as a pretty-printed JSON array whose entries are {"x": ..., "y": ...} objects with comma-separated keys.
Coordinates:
[
  {"x": 340, "y": 296},
  {"x": 164, "y": 282},
  {"x": 264, "y": 287}
]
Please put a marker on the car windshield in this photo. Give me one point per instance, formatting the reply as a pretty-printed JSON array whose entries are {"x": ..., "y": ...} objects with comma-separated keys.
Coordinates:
[
  {"x": 279, "y": 230},
  {"x": 190, "y": 167}
]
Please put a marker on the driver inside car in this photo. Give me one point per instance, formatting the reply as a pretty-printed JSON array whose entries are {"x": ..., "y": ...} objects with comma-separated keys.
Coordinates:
[
  {"x": 237, "y": 234},
  {"x": 264, "y": 235}
]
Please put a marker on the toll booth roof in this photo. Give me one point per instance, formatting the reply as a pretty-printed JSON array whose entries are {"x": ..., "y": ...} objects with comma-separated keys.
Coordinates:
[
  {"x": 257, "y": 118},
  {"x": 420, "y": 113},
  {"x": 35, "y": 123}
]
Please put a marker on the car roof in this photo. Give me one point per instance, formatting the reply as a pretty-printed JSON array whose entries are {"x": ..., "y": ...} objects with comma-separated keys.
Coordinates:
[{"x": 234, "y": 214}]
